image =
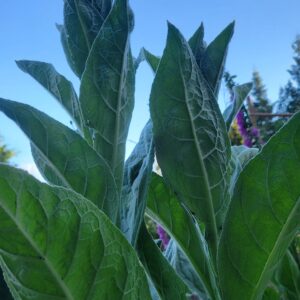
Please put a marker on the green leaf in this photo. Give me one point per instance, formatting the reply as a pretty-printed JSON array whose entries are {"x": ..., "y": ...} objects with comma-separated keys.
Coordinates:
[
  {"x": 271, "y": 293},
  {"x": 240, "y": 93},
  {"x": 45, "y": 168},
  {"x": 263, "y": 217},
  {"x": 190, "y": 136},
  {"x": 150, "y": 58},
  {"x": 213, "y": 60},
  {"x": 68, "y": 155},
  {"x": 82, "y": 22},
  {"x": 197, "y": 44},
  {"x": 107, "y": 89},
  {"x": 61, "y": 246},
  {"x": 164, "y": 207},
  {"x": 56, "y": 84},
  {"x": 138, "y": 169},
  {"x": 181, "y": 264},
  {"x": 240, "y": 156},
  {"x": 163, "y": 276},
  {"x": 288, "y": 277}
]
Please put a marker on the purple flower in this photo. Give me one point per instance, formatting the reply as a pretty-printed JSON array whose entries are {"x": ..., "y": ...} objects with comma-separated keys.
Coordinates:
[
  {"x": 255, "y": 131},
  {"x": 163, "y": 236},
  {"x": 247, "y": 141}
]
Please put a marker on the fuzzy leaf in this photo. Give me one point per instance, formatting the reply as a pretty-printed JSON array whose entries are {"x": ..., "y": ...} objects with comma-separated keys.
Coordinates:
[
  {"x": 181, "y": 264},
  {"x": 56, "y": 84},
  {"x": 82, "y": 22},
  {"x": 61, "y": 246},
  {"x": 263, "y": 217},
  {"x": 164, "y": 207},
  {"x": 138, "y": 169},
  {"x": 240, "y": 93},
  {"x": 190, "y": 136},
  {"x": 240, "y": 156},
  {"x": 68, "y": 155},
  {"x": 197, "y": 44},
  {"x": 213, "y": 60},
  {"x": 107, "y": 89},
  {"x": 163, "y": 276},
  {"x": 150, "y": 58}
]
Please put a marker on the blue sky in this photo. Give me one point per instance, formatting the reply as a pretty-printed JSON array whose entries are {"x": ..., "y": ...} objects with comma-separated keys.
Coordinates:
[{"x": 264, "y": 32}]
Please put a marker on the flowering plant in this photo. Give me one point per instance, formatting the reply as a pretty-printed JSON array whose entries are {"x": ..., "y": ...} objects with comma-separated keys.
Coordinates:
[{"x": 231, "y": 213}]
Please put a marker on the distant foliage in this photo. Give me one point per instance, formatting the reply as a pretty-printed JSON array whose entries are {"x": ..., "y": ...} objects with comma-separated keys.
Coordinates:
[
  {"x": 5, "y": 153},
  {"x": 289, "y": 96},
  {"x": 262, "y": 104}
]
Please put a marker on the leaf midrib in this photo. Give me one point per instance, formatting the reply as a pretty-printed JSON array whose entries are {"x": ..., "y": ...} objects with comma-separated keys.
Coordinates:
[
  {"x": 48, "y": 264},
  {"x": 208, "y": 199},
  {"x": 83, "y": 27},
  {"x": 118, "y": 116}
]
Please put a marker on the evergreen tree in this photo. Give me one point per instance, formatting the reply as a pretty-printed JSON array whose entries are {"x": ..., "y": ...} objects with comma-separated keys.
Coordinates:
[
  {"x": 289, "y": 96},
  {"x": 261, "y": 104}
]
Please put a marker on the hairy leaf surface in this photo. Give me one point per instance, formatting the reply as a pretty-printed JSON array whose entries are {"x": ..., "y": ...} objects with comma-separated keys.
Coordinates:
[
  {"x": 240, "y": 156},
  {"x": 263, "y": 217},
  {"x": 107, "y": 88},
  {"x": 164, "y": 207},
  {"x": 82, "y": 22},
  {"x": 138, "y": 169},
  {"x": 68, "y": 156},
  {"x": 197, "y": 44},
  {"x": 163, "y": 276},
  {"x": 181, "y": 264},
  {"x": 56, "y": 84},
  {"x": 213, "y": 61},
  {"x": 191, "y": 141},
  {"x": 63, "y": 246},
  {"x": 150, "y": 58},
  {"x": 240, "y": 93}
]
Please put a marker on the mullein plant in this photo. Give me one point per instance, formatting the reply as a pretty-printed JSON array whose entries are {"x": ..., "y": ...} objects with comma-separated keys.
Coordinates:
[{"x": 231, "y": 212}]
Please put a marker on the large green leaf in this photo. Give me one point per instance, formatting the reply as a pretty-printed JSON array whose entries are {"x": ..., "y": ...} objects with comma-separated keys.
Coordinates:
[
  {"x": 107, "y": 88},
  {"x": 67, "y": 154},
  {"x": 240, "y": 93},
  {"x": 163, "y": 276},
  {"x": 288, "y": 277},
  {"x": 82, "y": 22},
  {"x": 55, "y": 244},
  {"x": 263, "y": 217},
  {"x": 56, "y": 84},
  {"x": 138, "y": 169},
  {"x": 164, "y": 207},
  {"x": 191, "y": 141},
  {"x": 213, "y": 60}
]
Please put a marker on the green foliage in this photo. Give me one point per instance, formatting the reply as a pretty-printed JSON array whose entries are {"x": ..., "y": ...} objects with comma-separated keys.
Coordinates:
[
  {"x": 265, "y": 124},
  {"x": 5, "y": 153},
  {"x": 289, "y": 97},
  {"x": 231, "y": 212}
]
